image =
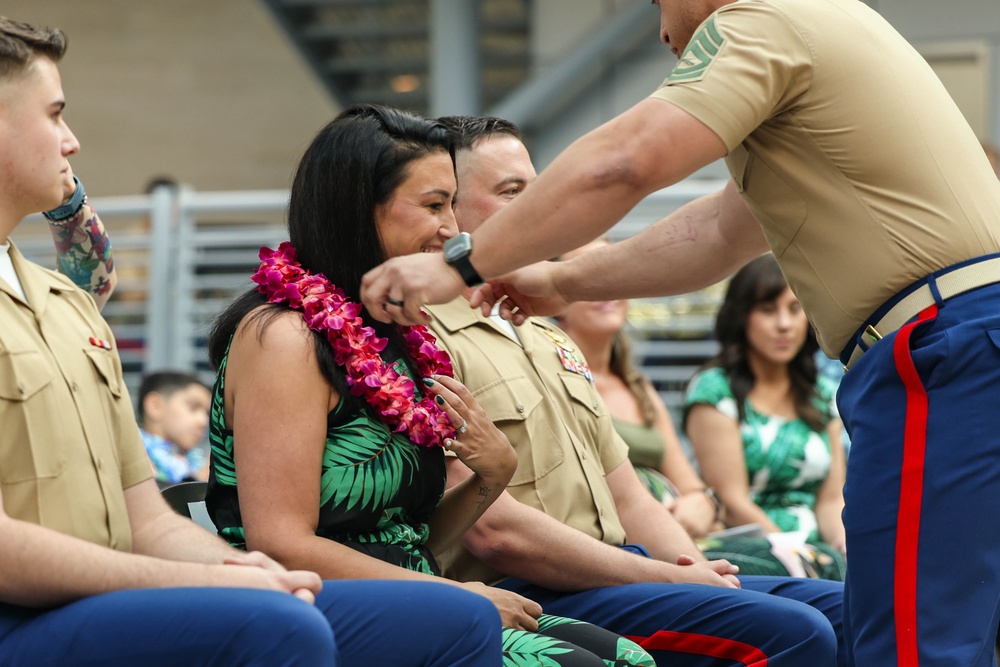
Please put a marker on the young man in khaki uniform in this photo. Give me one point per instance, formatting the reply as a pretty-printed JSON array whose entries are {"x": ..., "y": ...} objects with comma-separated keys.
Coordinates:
[
  {"x": 560, "y": 530},
  {"x": 851, "y": 163},
  {"x": 95, "y": 569}
]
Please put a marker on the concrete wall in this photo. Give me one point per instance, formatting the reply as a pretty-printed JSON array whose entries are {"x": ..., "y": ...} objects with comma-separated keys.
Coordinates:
[{"x": 207, "y": 92}]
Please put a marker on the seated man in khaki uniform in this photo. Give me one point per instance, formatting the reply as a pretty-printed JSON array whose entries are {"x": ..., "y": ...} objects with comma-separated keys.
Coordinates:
[{"x": 575, "y": 499}]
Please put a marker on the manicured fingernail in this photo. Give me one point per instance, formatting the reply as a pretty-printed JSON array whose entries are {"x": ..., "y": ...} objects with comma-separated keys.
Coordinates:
[
  {"x": 428, "y": 382},
  {"x": 439, "y": 399}
]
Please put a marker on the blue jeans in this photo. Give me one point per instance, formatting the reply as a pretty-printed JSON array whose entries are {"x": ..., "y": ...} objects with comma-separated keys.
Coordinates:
[{"x": 352, "y": 623}]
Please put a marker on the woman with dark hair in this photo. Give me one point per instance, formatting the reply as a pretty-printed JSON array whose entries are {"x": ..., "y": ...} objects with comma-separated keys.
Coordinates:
[
  {"x": 763, "y": 424},
  {"x": 329, "y": 429}
]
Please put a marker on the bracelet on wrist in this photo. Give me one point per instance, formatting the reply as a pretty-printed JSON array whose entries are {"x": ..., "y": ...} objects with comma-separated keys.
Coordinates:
[
  {"x": 70, "y": 208},
  {"x": 709, "y": 493}
]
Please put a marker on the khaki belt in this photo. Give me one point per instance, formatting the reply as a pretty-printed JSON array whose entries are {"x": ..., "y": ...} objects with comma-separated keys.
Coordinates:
[{"x": 949, "y": 283}]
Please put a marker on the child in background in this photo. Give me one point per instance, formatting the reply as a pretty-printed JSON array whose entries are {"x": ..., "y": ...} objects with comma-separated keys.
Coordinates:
[{"x": 173, "y": 415}]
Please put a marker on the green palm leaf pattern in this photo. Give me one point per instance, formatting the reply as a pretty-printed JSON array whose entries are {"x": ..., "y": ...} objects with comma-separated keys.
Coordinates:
[
  {"x": 364, "y": 464},
  {"x": 376, "y": 488},
  {"x": 526, "y": 649},
  {"x": 220, "y": 440},
  {"x": 547, "y": 621},
  {"x": 631, "y": 654},
  {"x": 626, "y": 652}
]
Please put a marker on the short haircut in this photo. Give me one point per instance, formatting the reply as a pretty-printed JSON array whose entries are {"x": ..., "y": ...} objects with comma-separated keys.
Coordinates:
[
  {"x": 467, "y": 130},
  {"x": 21, "y": 43},
  {"x": 164, "y": 383}
]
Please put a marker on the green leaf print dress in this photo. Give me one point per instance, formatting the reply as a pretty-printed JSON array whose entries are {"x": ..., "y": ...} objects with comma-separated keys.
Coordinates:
[
  {"x": 377, "y": 492},
  {"x": 786, "y": 461}
]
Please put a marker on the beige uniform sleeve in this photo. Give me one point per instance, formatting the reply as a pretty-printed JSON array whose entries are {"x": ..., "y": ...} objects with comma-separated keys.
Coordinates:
[
  {"x": 135, "y": 465},
  {"x": 745, "y": 64}
]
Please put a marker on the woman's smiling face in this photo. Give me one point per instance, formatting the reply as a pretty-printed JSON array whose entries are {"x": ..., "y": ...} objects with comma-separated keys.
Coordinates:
[{"x": 419, "y": 216}]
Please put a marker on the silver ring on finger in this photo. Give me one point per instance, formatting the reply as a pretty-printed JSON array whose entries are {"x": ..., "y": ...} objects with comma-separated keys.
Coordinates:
[{"x": 463, "y": 428}]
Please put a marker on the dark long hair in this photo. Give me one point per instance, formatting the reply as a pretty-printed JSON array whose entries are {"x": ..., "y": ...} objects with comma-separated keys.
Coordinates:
[
  {"x": 761, "y": 281},
  {"x": 353, "y": 165}
]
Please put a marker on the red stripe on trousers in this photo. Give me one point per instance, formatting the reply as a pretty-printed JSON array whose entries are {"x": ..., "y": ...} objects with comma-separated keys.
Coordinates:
[
  {"x": 911, "y": 491},
  {"x": 715, "y": 647}
]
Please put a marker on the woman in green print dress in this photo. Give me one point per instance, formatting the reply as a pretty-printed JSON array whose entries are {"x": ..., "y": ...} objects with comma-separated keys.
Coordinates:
[
  {"x": 327, "y": 431},
  {"x": 763, "y": 423}
]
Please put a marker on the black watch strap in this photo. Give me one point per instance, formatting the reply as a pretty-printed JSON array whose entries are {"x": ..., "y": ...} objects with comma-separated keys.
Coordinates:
[
  {"x": 456, "y": 253},
  {"x": 70, "y": 208},
  {"x": 468, "y": 272}
]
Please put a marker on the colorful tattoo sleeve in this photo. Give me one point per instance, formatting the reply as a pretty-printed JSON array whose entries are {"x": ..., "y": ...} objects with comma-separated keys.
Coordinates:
[{"x": 83, "y": 251}]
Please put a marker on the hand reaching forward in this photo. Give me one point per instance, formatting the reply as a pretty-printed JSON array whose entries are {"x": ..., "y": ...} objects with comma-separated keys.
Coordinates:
[
  {"x": 516, "y": 611},
  {"x": 528, "y": 291},
  {"x": 398, "y": 289}
]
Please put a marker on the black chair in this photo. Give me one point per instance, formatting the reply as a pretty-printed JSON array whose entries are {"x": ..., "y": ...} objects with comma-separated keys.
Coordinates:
[{"x": 188, "y": 499}]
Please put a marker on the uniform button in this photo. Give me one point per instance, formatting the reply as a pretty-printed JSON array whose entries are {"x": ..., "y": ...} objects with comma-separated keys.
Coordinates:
[
  {"x": 74, "y": 386},
  {"x": 595, "y": 406},
  {"x": 100, "y": 464},
  {"x": 583, "y": 456},
  {"x": 601, "y": 512},
  {"x": 520, "y": 408},
  {"x": 114, "y": 544},
  {"x": 20, "y": 387}
]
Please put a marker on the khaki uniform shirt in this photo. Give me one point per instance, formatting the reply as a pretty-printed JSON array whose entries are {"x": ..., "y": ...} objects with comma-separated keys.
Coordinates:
[
  {"x": 554, "y": 418},
  {"x": 846, "y": 147},
  {"x": 69, "y": 443}
]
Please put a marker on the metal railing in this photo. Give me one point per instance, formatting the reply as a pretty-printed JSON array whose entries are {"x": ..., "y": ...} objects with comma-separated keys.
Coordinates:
[{"x": 182, "y": 255}]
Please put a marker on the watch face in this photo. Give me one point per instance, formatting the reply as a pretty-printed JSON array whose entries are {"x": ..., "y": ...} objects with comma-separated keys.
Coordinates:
[{"x": 457, "y": 247}]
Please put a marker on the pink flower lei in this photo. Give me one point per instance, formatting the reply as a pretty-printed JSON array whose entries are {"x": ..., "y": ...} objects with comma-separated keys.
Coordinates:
[{"x": 325, "y": 309}]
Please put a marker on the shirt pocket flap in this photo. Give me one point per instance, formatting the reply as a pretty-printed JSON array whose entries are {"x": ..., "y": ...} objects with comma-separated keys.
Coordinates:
[
  {"x": 23, "y": 374},
  {"x": 582, "y": 391},
  {"x": 105, "y": 367},
  {"x": 508, "y": 399},
  {"x": 509, "y": 402}
]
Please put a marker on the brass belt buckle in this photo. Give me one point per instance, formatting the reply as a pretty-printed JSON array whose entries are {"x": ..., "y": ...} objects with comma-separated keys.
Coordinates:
[{"x": 875, "y": 336}]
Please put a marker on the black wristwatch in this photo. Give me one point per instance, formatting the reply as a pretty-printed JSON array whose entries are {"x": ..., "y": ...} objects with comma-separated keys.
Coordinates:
[
  {"x": 456, "y": 253},
  {"x": 70, "y": 208}
]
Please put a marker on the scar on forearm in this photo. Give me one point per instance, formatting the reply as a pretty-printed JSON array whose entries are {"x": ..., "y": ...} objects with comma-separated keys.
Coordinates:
[{"x": 685, "y": 231}]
